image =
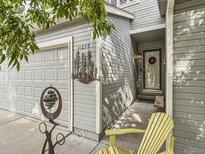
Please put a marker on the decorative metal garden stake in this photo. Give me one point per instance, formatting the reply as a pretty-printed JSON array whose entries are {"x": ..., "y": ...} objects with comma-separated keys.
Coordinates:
[
  {"x": 83, "y": 68},
  {"x": 51, "y": 99}
]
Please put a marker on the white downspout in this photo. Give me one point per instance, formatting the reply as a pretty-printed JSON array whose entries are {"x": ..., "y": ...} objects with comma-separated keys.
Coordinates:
[{"x": 169, "y": 57}]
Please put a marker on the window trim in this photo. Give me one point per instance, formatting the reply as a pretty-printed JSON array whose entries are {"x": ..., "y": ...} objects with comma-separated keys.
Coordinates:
[{"x": 128, "y": 3}]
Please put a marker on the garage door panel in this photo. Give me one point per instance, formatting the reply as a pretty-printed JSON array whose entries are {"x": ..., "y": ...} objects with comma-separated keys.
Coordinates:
[
  {"x": 28, "y": 74},
  {"x": 64, "y": 93},
  {"x": 49, "y": 74},
  {"x": 28, "y": 107},
  {"x": 19, "y": 90},
  {"x": 62, "y": 54},
  {"x": 4, "y": 88},
  {"x": 63, "y": 116},
  {"x": 39, "y": 57},
  {"x": 19, "y": 105},
  {"x": 49, "y": 56},
  {"x": 62, "y": 74},
  {"x": 38, "y": 74}
]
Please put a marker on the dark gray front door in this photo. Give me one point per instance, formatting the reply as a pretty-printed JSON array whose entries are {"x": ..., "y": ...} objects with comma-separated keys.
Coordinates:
[
  {"x": 152, "y": 69},
  {"x": 150, "y": 74}
]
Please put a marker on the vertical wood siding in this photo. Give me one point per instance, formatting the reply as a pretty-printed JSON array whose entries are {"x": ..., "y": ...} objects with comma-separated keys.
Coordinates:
[
  {"x": 118, "y": 71},
  {"x": 189, "y": 76},
  {"x": 146, "y": 14}
]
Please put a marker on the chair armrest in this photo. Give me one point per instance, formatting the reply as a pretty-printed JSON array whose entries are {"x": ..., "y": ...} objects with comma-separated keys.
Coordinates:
[
  {"x": 113, "y": 133},
  {"x": 123, "y": 131},
  {"x": 165, "y": 152}
]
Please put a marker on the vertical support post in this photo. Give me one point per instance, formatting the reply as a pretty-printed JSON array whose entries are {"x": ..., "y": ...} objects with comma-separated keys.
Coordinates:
[
  {"x": 98, "y": 86},
  {"x": 169, "y": 57}
]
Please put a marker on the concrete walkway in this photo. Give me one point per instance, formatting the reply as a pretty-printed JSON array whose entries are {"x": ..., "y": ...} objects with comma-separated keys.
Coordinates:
[{"x": 20, "y": 135}]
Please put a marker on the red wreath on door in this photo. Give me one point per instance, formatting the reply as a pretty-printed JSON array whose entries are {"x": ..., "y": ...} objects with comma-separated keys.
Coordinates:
[{"x": 152, "y": 60}]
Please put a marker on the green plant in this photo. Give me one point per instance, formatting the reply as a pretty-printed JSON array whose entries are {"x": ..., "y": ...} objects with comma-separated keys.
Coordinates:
[
  {"x": 17, "y": 18},
  {"x": 50, "y": 99}
]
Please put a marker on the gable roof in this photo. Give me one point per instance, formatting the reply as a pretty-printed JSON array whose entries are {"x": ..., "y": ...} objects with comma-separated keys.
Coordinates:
[{"x": 110, "y": 10}]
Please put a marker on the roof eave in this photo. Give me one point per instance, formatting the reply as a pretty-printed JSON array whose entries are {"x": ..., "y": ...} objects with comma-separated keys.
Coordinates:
[
  {"x": 119, "y": 12},
  {"x": 110, "y": 10}
]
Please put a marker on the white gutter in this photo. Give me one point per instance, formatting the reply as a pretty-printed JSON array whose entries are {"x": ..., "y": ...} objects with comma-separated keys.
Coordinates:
[{"x": 169, "y": 57}]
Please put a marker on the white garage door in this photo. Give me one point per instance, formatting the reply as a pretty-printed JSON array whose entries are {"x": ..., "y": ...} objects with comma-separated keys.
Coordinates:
[{"x": 21, "y": 91}]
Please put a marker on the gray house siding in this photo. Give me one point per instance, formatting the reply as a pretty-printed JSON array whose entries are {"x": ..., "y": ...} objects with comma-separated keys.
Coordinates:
[
  {"x": 146, "y": 14},
  {"x": 118, "y": 70},
  {"x": 84, "y": 95},
  {"x": 189, "y": 76}
]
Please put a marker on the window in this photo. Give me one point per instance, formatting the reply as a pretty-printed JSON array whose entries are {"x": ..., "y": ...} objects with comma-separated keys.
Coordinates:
[
  {"x": 112, "y": 2},
  {"x": 124, "y": 3}
]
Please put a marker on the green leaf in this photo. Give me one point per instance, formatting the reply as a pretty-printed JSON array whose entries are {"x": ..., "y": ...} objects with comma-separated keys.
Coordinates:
[
  {"x": 16, "y": 36},
  {"x": 12, "y": 59},
  {"x": 26, "y": 58},
  {"x": 2, "y": 59},
  {"x": 18, "y": 66}
]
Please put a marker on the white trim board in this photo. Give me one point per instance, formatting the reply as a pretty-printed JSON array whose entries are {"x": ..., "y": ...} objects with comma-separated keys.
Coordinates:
[
  {"x": 63, "y": 42},
  {"x": 57, "y": 43},
  {"x": 71, "y": 85},
  {"x": 146, "y": 29},
  {"x": 99, "y": 86},
  {"x": 169, "y": 58}
]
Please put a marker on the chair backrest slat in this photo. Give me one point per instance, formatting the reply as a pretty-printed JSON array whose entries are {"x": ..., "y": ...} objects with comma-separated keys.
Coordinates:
[{"x": 158, "y": 129}]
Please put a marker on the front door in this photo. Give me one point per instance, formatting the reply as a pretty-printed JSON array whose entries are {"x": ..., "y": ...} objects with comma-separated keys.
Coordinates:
[
  {"x": 152, "y": 69},
  {"x": 150, "y": 74}
]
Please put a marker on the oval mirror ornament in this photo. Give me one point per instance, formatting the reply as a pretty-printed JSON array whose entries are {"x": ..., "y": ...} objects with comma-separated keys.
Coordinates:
[{"x": 50, "y": 99}]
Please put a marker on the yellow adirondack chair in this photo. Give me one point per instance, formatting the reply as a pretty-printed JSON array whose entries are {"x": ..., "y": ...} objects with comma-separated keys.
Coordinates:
[{"x": 157, "y": 132}]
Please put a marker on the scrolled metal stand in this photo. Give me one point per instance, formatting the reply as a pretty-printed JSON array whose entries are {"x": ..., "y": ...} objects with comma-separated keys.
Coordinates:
[
  {"x": 43, "y": 128},
  {"x": 48, "y": 139}
]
